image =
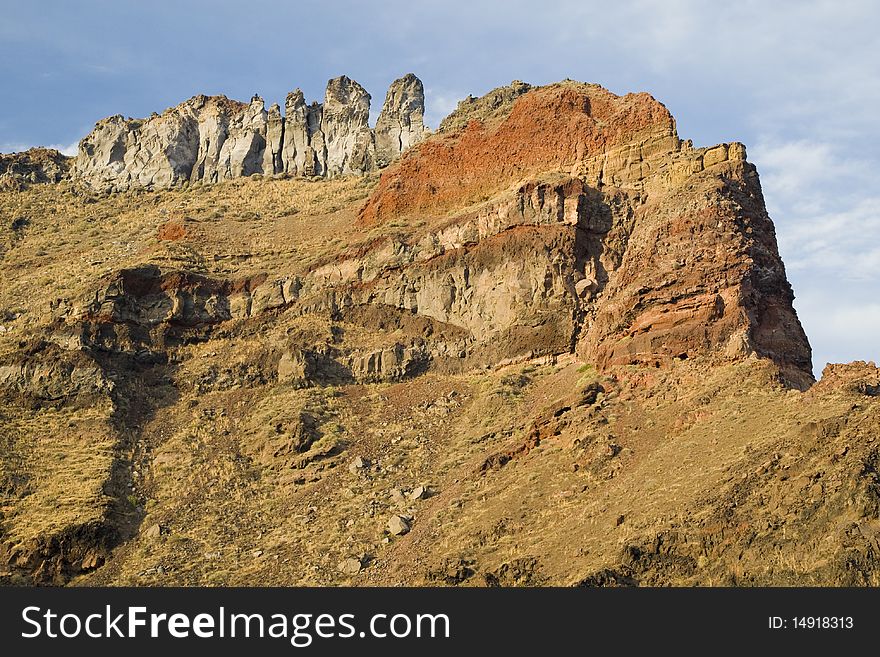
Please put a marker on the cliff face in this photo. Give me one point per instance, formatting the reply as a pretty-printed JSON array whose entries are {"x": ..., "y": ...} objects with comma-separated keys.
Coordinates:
[
  {"x": 213, "y": 138},
  {"x": 671, "y": 252},
  {"x": 532, "y": 332}
]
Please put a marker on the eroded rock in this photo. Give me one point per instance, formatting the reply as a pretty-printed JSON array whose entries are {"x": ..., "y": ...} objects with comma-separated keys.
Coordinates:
[
  {"x": 213, "y": 138},
  {"x": 401, "y": 122},
  {"x": 398, "y": 526}
]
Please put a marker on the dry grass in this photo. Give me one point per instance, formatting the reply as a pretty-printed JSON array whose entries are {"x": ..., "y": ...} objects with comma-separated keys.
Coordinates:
[
  {"x": 238, "y": 515},
  {"x": 676, "y": 456},
  {"x": 65, "y": 460},
  {"x": 73, "y": 238}
]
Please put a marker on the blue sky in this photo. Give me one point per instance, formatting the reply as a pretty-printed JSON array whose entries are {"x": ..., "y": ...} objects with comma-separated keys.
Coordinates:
[{"x": 798, "y": 82}]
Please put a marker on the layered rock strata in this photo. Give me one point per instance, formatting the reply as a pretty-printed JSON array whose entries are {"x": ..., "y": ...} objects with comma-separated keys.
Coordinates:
[{"x": 670, "y": 250}]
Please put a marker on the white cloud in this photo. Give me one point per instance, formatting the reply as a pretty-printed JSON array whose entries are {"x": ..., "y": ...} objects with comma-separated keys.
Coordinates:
[
  {"x": 439, "y": 104},
  {"x": 841, "y": 324},
  {"x": 826, "y": 207},
  {"x": 824, "y": 200},
  {"x": 15, "y": 147},
  {"x": 794, "y": 167},
  {"x": 69, "y": 149}
]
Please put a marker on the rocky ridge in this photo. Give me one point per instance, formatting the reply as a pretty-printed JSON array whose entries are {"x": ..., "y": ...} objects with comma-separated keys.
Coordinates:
[
  {"x": 33, "y": 166},
  {"x": 213, "y": 138},
  {"x": 671, "y": 253}
]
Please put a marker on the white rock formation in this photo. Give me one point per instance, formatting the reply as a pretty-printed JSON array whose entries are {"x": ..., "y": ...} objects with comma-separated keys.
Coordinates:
[
  {"x": 214, "y": 138},
  {"x": 402, "y": 121},
  {"x": 272, "y": 159},
  {"x": 346, "y": 127},
  {"x": 303, "y": 150}
]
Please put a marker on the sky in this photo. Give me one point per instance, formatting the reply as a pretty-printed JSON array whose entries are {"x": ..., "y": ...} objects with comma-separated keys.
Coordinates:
[{"x": 797, "y": 82}]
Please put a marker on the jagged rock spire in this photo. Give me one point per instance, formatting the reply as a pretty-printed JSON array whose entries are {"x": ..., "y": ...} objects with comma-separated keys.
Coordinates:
[
  {"x": 401, "y": 123},
  {"x": 213, "y": 138}
]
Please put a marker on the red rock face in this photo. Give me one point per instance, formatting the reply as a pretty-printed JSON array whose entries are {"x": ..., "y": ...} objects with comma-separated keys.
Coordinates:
[
  {"x": 701, "y": 273},
  {"x": 672, "y": 253},
  {"x": 548, "y": 129}
]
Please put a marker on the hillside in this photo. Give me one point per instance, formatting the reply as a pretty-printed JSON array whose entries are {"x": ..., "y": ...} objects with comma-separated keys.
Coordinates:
[{"x": 551, "y": 344}]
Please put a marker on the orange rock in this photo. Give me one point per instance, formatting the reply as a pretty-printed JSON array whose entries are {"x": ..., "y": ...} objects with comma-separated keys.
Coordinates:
[
  {"x": 549, "y": 129},
  {"x": 171, "y": 231}
]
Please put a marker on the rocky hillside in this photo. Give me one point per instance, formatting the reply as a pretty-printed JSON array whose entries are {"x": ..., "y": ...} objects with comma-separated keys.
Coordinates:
[{"x": 552, "y": 343}]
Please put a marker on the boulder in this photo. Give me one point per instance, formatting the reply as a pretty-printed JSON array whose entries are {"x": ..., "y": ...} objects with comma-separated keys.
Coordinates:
[
  {"x": 350, "y": 566},
  {"x": 398, "y": 526},
  {"x": 154, "y": 531},
  {"x": 359, "y": 464}
]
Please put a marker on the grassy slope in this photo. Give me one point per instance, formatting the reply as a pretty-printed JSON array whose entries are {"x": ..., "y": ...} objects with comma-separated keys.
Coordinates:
[{"x": 671, "y": 476}]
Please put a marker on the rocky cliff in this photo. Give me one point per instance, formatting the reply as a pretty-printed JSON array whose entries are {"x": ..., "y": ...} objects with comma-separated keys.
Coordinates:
[
  {"x": 669, "y": 251},
  {"x": 213, "y": 138},
  {"x": 553, "y": 343}
]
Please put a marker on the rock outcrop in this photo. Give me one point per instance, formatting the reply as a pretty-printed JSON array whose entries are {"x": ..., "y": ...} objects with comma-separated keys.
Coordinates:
[
  {"x": 49, "y": 373},
  {"x": 303, "y": 152},
  {"x": 401, "y": 123},
  {"x": 213, "y": 138},
  {"x": 273, "y": 159},
  {"x": 33, "y": 166},
  {"x": 659, "y": 250},
  {"x": 347, "y": 134},
  {"x": 143, "y": 309},
  {"x": 205, "y": 138}
]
